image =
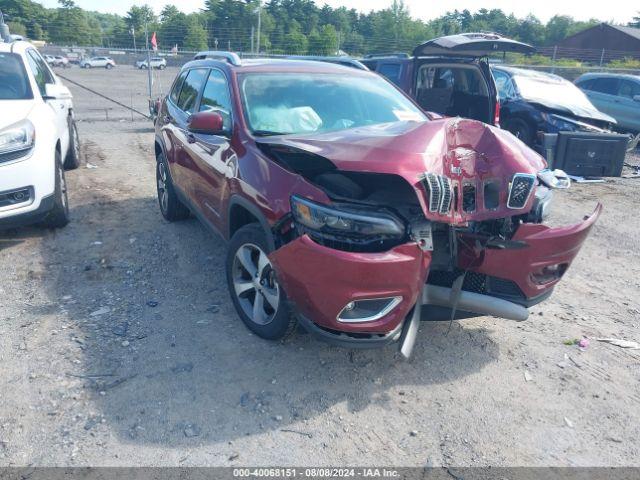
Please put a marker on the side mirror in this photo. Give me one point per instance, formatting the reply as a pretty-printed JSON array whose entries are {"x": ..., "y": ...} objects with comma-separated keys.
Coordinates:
[
  {"x": 56, "y": 91},
  {"x": 636, "y": 98},
  {"x": 208, "y": 123}
]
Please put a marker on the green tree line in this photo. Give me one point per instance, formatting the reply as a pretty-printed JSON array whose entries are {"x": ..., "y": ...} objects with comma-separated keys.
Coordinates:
[{"x": 286, "y": 26}]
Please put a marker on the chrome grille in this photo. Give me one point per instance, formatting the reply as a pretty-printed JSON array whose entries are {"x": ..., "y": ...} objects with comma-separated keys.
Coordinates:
[
  {"x": 440, "y": 193},
  {"x": 434, "y": 191},
  {"x": 520, "y": 190}
]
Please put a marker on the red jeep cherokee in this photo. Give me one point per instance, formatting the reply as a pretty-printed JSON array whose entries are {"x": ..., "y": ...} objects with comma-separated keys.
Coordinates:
[{"x": 347, "y": 208}]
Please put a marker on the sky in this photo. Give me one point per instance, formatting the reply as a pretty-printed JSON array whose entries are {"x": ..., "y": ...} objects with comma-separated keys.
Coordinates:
[{"x": 620, "y": 11}]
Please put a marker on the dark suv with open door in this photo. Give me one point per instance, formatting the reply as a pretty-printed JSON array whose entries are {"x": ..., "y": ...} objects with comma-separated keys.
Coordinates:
[
  {"x": 450, "y": 75},
  {"x": 347, "y": 209}
]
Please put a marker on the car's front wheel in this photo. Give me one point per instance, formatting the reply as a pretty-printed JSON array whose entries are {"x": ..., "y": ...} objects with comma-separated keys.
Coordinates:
[
  {"x": 171, "y": 207},
  {"x": 108, "y": 66},
  {"x": 256, "y": 294},
  {"x": 72, "y": 161},
  {"x": 58, "y": 217}
]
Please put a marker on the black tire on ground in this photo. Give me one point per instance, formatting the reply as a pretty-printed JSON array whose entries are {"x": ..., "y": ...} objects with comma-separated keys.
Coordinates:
[
  {"x": 58, "y": 217},
  {"x": 108, "y": 66},
  {"x": 275, "y": 323},
  {"x": 520, "y": 129},
  {"x": 171, "y": 207},
  {"x": 72, "y": 161}
]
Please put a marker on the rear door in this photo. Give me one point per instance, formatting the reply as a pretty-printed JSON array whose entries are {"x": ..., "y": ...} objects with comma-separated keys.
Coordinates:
[{"x": 211, "y": 154}]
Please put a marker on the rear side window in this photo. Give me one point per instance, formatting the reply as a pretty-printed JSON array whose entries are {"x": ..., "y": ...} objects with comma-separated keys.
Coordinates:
[
  {"x": 190, "y": 89},
  {"x": 215, "y": 96},
  {"x": 628, "y": 89},
  {"x": 40, "y": 71},
  {"x": 391, "y": 71},
  {"x": 14, "y": 83},
  {"x": 605, "y": 85},
  {"x": 177, "y": 85}
]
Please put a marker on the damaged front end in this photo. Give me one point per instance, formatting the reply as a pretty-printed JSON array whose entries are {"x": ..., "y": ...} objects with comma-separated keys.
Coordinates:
[{"x": 431, "y": 221}]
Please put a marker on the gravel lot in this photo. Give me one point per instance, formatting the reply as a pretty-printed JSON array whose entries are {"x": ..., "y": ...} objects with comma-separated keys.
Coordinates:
[{"x": 119, "y": 345}]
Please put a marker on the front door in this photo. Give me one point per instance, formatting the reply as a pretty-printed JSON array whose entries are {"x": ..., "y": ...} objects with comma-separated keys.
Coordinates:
[{"x": 211, "y": 154}]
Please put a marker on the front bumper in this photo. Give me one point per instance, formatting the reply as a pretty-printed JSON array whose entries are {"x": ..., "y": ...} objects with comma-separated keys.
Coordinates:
[{"x": 320, "y": 281}]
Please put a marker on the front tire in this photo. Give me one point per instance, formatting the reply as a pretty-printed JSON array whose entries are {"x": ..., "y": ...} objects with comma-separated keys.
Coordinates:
[
  {"x": 171, "y": 207},
  {"x": 521, "y": 130},
  {"x": 108, "y": 66},
  {"x": 73, "y": 155},
  {"x": 258, "y": 298},
  {"x": 58, "y": 217}
]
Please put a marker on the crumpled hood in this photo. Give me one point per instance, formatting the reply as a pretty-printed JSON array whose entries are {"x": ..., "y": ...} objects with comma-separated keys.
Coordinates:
[
  {"x": 13, "y": 111},
  {"x": 582, "y": 113},
  {"x": 466, "y": 151}
]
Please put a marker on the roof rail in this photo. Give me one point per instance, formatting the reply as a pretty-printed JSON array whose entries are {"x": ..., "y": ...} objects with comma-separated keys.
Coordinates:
[
  {"x": 230, "y": 57},
  {"x": 339, "y": 60},
  {"x": 386, "y": 55}
]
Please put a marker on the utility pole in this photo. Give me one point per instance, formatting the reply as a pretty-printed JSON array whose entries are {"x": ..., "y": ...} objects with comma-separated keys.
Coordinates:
[
  {"x": 259, "y": 19},
  {"x": 133, "y": 34},
  {"x": 146, "y": 37},
  {"x": 252, "y": 31}
]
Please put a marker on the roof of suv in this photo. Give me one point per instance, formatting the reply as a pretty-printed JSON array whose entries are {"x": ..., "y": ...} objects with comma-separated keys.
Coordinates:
[
  {"x": 277, "y": 65},
  {"x": 15, "y": 47}
]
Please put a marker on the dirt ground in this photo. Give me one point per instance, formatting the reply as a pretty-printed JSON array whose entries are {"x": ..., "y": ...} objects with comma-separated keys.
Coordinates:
[{"x": 119, "y": 346}]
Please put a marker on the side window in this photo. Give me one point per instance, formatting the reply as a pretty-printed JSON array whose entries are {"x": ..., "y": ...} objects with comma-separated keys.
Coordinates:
[
  {"x": 177, "y": 85},
  {"x": 40, "y": 71},
  {"x": 605, "y": 85},
  {"x": 585, "y": 84},
  {"x": 628, "y": 89},
  {"x": 391, "y": 71},
  {"x": 504, "y": 84},
  {"x": 215, "y": 96},
  {"x": 190, "y": 90}
]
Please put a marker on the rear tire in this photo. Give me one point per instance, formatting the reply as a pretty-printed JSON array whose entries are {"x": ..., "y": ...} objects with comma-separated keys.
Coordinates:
[
  {"x": 73, "y": 155},
  {"x": 58, "y": 217},
  {"x": 108, "y": 66},
  {"x": 258, "y": 298},
  {"x": 171, "y": 207}
]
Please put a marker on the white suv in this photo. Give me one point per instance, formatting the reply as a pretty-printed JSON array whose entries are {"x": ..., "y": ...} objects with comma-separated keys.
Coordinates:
[
  {"x": 156, "y": 62},
  {"x": 38, "y": 139},
  {"x": 98, "y": 62}
]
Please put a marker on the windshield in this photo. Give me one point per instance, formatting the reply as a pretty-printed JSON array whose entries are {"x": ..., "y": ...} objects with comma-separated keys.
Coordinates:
[
  {"x": 552, "y": 90},
  {"x": 14, "y": 83},
  {"x": 285, "y": 103}
]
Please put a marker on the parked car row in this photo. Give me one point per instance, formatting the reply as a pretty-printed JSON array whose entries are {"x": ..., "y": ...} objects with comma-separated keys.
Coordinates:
[{"x": 57, "y": 61}]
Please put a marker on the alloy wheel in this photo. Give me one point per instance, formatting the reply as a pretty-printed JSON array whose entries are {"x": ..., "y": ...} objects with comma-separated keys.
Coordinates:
[
  {"x": 163, "y": 194},
  {"x": 255, "y": 284}
]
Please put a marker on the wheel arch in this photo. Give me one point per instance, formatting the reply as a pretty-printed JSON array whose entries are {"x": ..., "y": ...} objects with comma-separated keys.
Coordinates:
[{"x": 242, "y": 212}]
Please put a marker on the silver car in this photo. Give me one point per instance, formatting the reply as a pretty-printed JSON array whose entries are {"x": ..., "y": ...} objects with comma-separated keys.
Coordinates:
[
  {"x": 615, "y": 94},
  {"x": 156, "y": 62}
]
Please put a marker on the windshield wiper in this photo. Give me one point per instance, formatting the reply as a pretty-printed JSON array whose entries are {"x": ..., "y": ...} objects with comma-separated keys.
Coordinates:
[{"x": 267, "y": 133}]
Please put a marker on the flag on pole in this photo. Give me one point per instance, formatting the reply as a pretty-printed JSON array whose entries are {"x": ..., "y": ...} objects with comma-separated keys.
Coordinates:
[{"x": 154, "y": 41}]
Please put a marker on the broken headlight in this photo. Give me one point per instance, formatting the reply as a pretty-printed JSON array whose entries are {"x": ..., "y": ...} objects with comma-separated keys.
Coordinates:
[{"x": 347, "y": 227}]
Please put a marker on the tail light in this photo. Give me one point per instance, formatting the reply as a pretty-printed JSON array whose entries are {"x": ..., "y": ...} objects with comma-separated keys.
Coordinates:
[
  {"x": 496, "y": 115},
  {"x": 520, "y": 190}
]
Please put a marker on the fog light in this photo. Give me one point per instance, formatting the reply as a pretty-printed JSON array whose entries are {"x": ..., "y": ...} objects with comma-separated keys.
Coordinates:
[
  {"x": 367, "y": 310},
  {"x": 549, "y": 273}
]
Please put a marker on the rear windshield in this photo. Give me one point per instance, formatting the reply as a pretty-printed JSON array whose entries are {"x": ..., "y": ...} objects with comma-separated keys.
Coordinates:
[
  {"x": 284, "y": 103},
  {"x": 14, "y": 82}
]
